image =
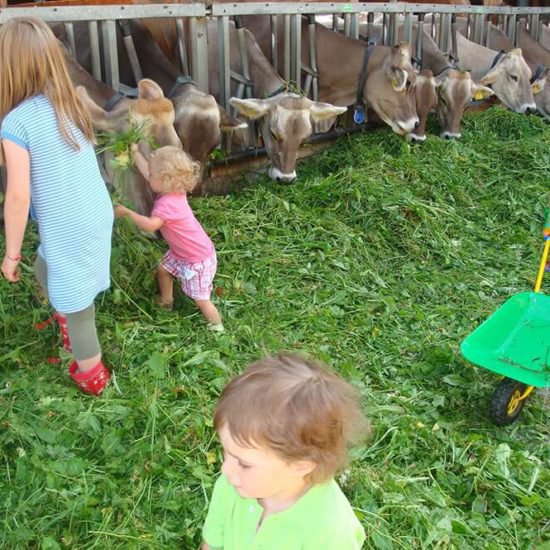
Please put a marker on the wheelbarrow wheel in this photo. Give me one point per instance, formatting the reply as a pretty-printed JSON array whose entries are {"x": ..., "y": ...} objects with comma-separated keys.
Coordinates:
[{"x": 506, "y": 403}]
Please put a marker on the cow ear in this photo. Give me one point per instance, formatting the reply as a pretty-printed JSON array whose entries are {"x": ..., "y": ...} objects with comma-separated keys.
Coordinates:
[
  {"x": 538, "y": 85},
  {"x": 149, "y": 89},
  {"x": 229, "y": 123},
  {"x": 398, "y": 78},
  {"x": 491, "y": 76},
  {"x": 250, "y": 108},
  {"x": 481, "y": 92},
  {"x": 321, "y": 111}
]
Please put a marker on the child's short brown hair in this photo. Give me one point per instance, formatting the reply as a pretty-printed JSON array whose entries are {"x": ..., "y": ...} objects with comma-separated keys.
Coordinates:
[
  {"x": 175, "y": 168},
  {"x": 296, "y": 408}
]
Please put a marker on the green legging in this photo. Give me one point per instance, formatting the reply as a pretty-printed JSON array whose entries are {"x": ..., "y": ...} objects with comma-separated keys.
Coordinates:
[{"x": 80, "y": 325}]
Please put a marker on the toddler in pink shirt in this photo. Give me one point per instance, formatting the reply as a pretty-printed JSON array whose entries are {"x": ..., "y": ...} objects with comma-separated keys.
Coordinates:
[{"x": 191, "y": 256}]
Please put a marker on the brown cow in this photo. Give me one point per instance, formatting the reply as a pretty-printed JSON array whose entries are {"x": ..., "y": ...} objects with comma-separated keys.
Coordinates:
[
  {"x": 278, "y": 115},
  {"x": 452, "y": 89},
  {"x": 508, "y": 74},
  {"x": 282, "y": 111},
  {"x": 390, "y": 74}
]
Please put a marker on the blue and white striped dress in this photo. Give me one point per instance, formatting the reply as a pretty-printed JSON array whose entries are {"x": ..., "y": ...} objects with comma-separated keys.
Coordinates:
[{"x": 69, "y": 201}]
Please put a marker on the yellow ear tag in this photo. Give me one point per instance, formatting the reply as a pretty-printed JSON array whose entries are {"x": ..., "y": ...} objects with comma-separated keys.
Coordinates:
[
  {"x": 478, "y": 96},
  {"x": 394, "y": 82},
  {"x": 536, "y": 89}
]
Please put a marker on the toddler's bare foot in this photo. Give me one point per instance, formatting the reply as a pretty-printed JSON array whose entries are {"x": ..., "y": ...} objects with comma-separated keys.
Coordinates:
[{"x": 166, "y": 304}]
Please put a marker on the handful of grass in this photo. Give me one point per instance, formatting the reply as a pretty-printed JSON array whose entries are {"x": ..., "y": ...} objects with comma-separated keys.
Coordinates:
[{"x": 119, "y": 145}]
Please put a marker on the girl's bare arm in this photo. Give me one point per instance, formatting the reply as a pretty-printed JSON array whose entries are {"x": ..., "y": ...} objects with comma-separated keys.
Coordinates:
[{"x": 16, "y": 205}]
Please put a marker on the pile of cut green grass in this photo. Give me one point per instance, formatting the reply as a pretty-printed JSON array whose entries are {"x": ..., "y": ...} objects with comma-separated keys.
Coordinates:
[{"x": 379, "y": 260}]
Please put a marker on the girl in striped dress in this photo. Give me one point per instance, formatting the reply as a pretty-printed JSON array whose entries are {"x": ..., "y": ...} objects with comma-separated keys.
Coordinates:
[{"x": 47, "y": 145}]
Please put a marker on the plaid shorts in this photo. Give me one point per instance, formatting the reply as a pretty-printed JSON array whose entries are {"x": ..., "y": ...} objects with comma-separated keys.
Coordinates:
[{"x": 195, "y": 277}]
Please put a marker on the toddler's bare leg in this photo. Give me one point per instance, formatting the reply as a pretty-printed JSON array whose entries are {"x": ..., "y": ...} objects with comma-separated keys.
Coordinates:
[
  {"x": 166, "y": 287},
  {"x": 209, "y": 311}
]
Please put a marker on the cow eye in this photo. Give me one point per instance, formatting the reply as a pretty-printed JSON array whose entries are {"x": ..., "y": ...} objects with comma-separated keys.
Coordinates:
[
  {"x": 408, "y": 85},
  {"x": 514, "y": 77}
]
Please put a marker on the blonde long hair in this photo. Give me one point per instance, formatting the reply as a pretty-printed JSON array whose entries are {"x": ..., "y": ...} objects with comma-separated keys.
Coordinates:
[{"x": 33, "y": 62}]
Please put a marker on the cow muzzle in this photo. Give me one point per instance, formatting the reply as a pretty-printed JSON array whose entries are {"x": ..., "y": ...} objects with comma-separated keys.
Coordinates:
[
  {"x": 450, "y": 135},
  {"x": 276, "y": 175}
]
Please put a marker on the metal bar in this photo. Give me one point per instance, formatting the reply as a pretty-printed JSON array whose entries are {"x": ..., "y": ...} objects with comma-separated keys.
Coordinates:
[
  {"x": 370, "y": 23},
  {"x": 130, "y": 50},
  {"x": 347, "y": 24},
  {"x": 104, "y": 13},
  {"x": 243, "y": 54},
  {"x": 313, "y": 60},
  {"x": 69, "y": 31},
  {"x": 296, "y": 49},
  {"x": 199, "y": 52},
  {"x": 407, "y": 28},
  {"x": 419, "y": 37},
  {"x": 223, "y": 61},
  {"x": 94, "y": 50},
  {"x": 142, "y": 11},
  {"x": 286, "y": 71},
  {"x": 512, "y": 28},
  {"x": 108, "y": 32},
  {"x": 454, "y": 45},
  {"x": 255, "y": 8},
  {"x": 535, "y": 27},
  {"x": 478, "y": 27},
  {"x": 274, "y": 43},
  {"x": 182, "y": 49},
  {"x": 384, "y": 37},
  {"x": 354, "y": 25}
]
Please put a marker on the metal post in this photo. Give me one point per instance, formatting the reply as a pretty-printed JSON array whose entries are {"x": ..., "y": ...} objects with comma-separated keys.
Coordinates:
[
  {"x": 182, "y": 49},
  {"x": 243, "y": 53},
  {"x": 199, "y": 52},
  {"x": 69, "y": 31},
  {"x": 110, "y": 55},
  {"x": 370, "y": 22},
  {"x": 223, "y": 61},
  {"x": 274, "y": 43},
  {"x": 355, "y": 25},
  {"x": 296, "y": 49},
  {"x": 94, "y": 49},
  {"x": 407, "y": 28},
  {"x": 286, "y": 72},
  {"x": 347, "y": 24},
  {"x": 420, "y": 37}
]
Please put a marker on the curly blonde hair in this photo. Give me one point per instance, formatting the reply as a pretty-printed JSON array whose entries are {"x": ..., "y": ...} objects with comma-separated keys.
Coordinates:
[
  {"x": 298, "y": 409},
  {"x": 175, "y": 169}
]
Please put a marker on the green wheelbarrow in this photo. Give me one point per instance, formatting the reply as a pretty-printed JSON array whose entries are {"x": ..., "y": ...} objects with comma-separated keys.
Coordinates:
[{"x": 515, "y": 342}]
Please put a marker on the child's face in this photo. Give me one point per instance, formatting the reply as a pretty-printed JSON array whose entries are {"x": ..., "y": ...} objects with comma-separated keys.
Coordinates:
[{"x": 258, "y": 472}]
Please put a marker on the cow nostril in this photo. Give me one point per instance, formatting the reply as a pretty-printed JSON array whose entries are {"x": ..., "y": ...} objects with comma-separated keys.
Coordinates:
[
  {"x": 417, "y": 124},
  {"x": 447, "y": 136}
]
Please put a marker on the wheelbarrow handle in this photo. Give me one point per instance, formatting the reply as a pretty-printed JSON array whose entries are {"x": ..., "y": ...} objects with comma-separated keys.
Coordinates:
[{"x": 542, "y": 265}]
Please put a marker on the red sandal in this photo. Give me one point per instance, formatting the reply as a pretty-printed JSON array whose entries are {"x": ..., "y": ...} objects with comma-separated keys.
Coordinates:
[
  {"x": 93, "y": 381},
  {"x": 62, "y": 322}
]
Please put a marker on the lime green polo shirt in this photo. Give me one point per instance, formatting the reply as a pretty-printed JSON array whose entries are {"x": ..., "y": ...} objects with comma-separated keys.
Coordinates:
[{"x": 321, "y": 519}]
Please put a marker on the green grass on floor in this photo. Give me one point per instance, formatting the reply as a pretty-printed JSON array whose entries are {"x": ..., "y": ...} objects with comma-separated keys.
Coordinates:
[{"x": 379, "y": 260}]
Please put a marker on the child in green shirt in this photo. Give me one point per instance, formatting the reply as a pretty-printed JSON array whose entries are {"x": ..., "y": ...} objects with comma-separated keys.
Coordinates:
[{"x": 285, "y": 425}]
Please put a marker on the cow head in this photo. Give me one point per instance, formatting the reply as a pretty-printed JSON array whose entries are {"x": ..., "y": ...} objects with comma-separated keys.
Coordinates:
[
  {"x": 156, "y": 113},
  {"x": 455, "y": 90},
  {"x": 200, "y": 121},
  {"x": 388, "y": 89},
  {"x": 285, "y": 122},
  {"x": 510, "y": 80},
  {"x": 541, "y": 91},
  {"x": 426, "y": 100}
]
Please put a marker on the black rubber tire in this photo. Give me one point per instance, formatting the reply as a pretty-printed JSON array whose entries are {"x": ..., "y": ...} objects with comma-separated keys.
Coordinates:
[{"x": 501, "y": 399}]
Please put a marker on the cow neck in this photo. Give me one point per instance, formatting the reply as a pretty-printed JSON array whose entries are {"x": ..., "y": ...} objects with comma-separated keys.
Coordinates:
[
  {"x": 359, "y": 103},
  {"x": 496, "y": 59},
  {"x": 180, "y": 81},
  {"x": 117, "y": 97},
  {"x": 538, "y": 72}
]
